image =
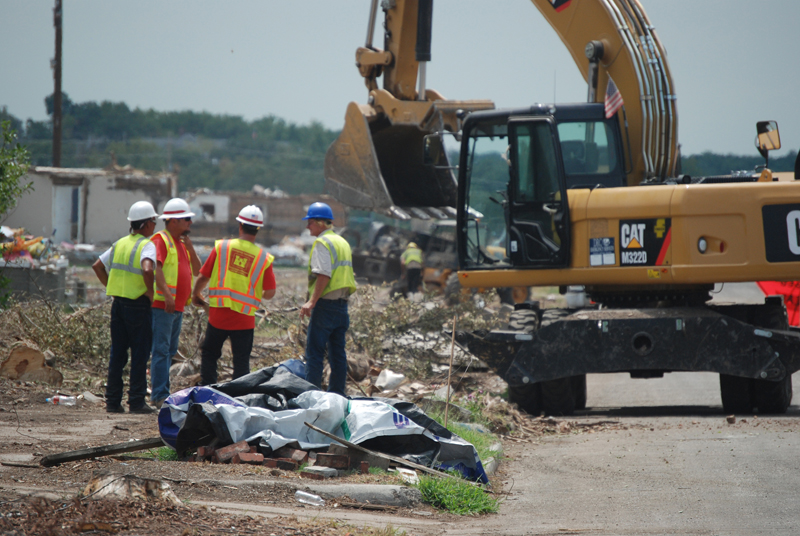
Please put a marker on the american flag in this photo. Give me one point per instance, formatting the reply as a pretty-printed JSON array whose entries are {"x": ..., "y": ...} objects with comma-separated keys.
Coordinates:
[{"x": 613, "y": 99}]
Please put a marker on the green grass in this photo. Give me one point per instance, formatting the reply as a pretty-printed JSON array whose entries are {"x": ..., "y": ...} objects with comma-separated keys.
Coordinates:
[
  {"x": 480, "y": 440},
  {"x": 164, "y": 454},
  {"x": 456, "y": 496}
]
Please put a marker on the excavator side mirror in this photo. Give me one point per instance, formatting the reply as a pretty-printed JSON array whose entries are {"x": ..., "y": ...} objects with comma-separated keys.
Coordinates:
[{"x": 768, "y": 138}]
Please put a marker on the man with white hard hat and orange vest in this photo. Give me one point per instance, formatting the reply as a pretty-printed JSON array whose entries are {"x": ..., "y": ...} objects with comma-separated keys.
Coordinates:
[
  {"x": 126, "y": 270},
  {"x": 330, "y": 283},
  {"x": 239, "y": 275},
  {"x": 176, "y": 264}
]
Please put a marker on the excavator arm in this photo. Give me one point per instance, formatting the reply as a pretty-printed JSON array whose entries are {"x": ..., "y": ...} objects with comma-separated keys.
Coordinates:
[
  {"x": 377, "y": 162},
  {"x": 618, "y": 35}
]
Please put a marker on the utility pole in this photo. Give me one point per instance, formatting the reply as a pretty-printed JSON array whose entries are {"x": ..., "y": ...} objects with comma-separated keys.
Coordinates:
[{"x": 57, "y": 91}]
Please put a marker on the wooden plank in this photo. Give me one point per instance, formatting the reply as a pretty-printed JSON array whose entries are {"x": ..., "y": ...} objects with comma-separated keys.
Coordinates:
[
  {"x": 389, "y": 457},
  {"x": 95, "y": 452}
]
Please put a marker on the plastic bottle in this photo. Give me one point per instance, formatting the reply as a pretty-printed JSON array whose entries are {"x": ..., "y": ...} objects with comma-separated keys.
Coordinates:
[
  {"x": 309, "y": 498},
  {"x": 62, "y": 400}
]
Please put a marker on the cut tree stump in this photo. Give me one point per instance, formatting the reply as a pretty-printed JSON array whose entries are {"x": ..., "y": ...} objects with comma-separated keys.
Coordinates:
[{"x": 27, "y": 364}]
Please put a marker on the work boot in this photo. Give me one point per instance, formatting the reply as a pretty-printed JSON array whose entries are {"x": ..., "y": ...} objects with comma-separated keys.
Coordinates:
[
  {"x": 143, "y": 410},
  {"x": 115, "y": 409}
]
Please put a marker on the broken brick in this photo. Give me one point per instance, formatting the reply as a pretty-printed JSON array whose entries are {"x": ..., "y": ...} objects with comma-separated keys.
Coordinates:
[
  {"x": 225, "y": 454},
  {"x": 364, "y": 468},
  {"x": 205, "y": 452},
  {"x": 336, "y": 461},
  {"x": 271, "y": 462},
  {"x": 287, "y": 464},
  {"x": 325, "y": 472},
  {"x": 248, "y": 458},
  {"x": 300, "y": 456},
  {"x": 312, "y": 476}
]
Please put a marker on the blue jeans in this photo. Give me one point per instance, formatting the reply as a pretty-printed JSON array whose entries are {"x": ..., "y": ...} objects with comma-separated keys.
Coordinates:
[
  {"x": 131, "y": 326},
  {"x": 166, "y": 332},
  {"x": 327, "y": 327}
]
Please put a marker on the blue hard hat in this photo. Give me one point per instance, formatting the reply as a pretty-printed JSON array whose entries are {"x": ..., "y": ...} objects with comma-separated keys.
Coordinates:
[{"x": 319, "y": 211}]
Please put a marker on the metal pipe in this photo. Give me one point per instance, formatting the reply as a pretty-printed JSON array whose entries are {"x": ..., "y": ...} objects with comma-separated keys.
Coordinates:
[
  {"x": 643, "y": 82},
  {"x": 373, "y": 13},
  {"x": 423, "y": 68},
  {"x": 423, "y": 46}
]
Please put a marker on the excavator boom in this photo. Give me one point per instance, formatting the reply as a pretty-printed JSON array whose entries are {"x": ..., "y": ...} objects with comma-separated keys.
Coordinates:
[
  {"x": 377, "y": 162},
  {"x": 620, "y": 37}
]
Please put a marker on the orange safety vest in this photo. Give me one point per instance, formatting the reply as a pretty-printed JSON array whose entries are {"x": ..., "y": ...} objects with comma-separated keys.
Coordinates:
[
  {"x": 170, "y": 268},
  {"x": 238, "y": 276}
]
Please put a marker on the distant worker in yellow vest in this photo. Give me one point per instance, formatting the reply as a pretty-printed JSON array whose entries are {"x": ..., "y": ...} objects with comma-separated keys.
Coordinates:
[
  {"x": 330, "y": 283},
  {"x": 239, "y": 275},
  {"x": 411, "y": 261},
  {"x": 126, "y": 270},
  {"x": 176, "y": 264}
]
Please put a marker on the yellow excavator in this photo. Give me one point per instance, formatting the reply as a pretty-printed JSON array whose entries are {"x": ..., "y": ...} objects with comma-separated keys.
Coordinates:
[{"x": 583, "y": 194}]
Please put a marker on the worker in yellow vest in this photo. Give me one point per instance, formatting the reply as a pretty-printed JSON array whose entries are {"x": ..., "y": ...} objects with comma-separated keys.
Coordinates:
[
  {"x": 126, "y": 270},
  {"x": 176, "y": 264},
  {"x": 411, "y": 262},
  {"x": 330, "y": 283},
  {"x": 239, "y": 275}
]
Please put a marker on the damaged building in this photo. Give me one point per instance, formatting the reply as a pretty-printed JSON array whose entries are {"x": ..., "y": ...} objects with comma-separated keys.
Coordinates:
[
  {"x": 87, "y": 205},
  {"x": 283, "y": 214}
]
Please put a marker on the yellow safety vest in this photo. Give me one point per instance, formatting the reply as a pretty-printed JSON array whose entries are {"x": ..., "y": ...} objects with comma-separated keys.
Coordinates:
[
  {"x": 238, "y": 276},
  {"x": 170, "y": 269},
  {"x": 125, "y": 276},
  {"x": 341, "y": 264},
  {"x": 412, "y": 255}
]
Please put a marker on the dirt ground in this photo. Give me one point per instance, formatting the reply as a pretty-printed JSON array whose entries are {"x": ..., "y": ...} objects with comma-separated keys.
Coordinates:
[{"x": 38, "y": 500}]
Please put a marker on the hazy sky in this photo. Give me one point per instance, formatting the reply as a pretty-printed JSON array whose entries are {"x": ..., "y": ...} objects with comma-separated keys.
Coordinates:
[{"x": 733, "y": 61}]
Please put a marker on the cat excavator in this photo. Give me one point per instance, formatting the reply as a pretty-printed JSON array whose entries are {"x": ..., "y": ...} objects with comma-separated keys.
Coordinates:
[{"x": 586, "y": 194}]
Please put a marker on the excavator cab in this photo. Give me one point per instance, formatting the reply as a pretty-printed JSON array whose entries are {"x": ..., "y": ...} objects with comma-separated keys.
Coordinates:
[{"x": 515, "y": 170}]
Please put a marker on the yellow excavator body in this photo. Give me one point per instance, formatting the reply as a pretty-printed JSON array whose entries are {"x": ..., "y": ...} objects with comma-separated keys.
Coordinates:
[{"x": 727, "y": 218}]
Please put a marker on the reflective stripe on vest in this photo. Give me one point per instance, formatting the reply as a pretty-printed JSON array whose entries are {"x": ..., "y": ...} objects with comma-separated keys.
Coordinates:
[
  {"x": 232, "y": 288},
  {"x": 170, "y": 268},
  {"x": 341, "y": 264},
  {"x": 125, "y": 275},
  {"x": 412, "y": 255}
]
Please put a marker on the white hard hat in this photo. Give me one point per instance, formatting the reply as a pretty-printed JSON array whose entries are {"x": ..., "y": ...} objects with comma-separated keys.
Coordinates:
[
  {"x": 141, "y": 210},
  {"x": 251, "y": 215},
  {"x": 176, "y": 208}
]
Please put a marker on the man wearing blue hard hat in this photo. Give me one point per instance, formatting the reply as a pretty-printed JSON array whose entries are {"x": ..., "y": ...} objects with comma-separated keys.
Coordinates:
[{"x": 330, "y": 283}]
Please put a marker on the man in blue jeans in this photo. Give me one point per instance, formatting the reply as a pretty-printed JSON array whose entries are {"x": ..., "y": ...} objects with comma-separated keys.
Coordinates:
[
  {"x": 330, "y": 283},
  {"x": 176, "y": 263},
  {"x": 126, "y": 270}
]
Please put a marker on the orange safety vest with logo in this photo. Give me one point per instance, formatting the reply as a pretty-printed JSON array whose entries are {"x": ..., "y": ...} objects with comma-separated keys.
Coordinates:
[
  {"x": 170, "y": 268},
  {"x": 237, "y": 279}
]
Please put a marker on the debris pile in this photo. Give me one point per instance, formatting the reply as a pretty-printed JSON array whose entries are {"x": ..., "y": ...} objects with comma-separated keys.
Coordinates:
[{"x": 23, "y": 250}]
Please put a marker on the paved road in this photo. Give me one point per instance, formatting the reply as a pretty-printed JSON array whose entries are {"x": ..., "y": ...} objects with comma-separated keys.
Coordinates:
[{"x": 679, "y": 468}]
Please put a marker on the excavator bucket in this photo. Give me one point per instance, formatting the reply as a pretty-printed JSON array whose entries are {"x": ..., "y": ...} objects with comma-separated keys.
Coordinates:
[{"x": 378, "y": 162}]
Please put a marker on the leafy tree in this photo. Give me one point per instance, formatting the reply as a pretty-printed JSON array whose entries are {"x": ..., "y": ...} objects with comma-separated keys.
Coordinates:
[
  {"x": 14, "y": 161},
  {"x": 13, "y": 165}
]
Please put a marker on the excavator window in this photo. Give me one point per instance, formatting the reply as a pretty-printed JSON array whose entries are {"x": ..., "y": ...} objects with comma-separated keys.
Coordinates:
[
  {"x": 589, "y": 151},
  {"x": 486, "y": 195},
  {"x": 536, "y": 213}
]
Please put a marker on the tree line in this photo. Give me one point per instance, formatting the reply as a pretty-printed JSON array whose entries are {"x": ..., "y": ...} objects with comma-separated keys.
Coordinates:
[{"x": 226, "y": 152}]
